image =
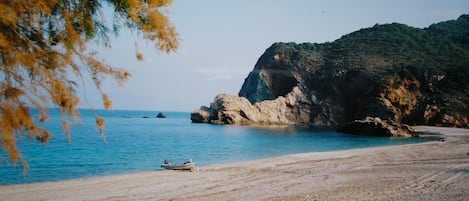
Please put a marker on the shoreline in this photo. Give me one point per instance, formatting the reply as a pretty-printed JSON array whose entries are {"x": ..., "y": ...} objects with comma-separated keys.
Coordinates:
[{"x": 434, "y": 170}]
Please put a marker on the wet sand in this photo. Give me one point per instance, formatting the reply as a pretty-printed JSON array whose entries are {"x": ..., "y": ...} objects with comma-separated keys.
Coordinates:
[{"x": 437, "y": 170}]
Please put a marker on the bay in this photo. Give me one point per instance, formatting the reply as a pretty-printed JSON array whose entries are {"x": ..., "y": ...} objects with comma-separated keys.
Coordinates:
[{"x": 137, "y": 141}]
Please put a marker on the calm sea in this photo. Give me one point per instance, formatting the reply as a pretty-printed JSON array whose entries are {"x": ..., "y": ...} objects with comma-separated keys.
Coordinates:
[{"x": 136, "y": 144}]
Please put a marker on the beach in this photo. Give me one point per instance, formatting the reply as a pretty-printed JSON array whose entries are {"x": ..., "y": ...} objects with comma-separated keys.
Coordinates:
[{"x": 436, "y": 170}]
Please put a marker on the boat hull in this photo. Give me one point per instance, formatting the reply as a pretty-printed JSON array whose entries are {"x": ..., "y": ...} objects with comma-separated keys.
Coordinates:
[{"x": 186, "y": 166}]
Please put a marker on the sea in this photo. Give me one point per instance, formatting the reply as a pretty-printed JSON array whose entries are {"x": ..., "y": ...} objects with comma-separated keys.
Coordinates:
[{"x": 137, "y": 141}]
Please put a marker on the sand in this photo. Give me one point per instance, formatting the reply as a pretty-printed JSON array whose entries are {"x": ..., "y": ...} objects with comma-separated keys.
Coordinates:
[{"x": 437, "y": 170}]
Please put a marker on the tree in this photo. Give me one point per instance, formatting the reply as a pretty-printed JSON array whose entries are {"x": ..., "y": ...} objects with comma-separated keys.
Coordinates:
[{"x": 44, "y": 54}]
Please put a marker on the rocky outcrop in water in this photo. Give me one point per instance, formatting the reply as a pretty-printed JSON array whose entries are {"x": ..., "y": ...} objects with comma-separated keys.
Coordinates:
[
  {"x": 376, "y": 127},
  {"x": 230, "y": 109},
  {"x": 393, "y": 72},
  {"x": 160, "y": 115}
]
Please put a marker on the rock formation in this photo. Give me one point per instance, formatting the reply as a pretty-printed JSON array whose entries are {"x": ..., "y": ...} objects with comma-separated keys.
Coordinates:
[
  {"x": 160, "y": 115},
  {"x": 294, "y": 108},
  {"x": 392, "y": 72},
  {"x": 376, "y": 127}
]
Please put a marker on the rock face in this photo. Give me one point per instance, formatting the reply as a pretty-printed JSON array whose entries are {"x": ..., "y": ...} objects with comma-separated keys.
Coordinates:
[
  {"x": 376, "y": 127},
  {"x": 392, "y": 72},
  {"x": 229, "y": 109}
]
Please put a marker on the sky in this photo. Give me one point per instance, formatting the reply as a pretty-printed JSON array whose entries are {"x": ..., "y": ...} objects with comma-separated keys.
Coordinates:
[{"x": 222, "y": 40}]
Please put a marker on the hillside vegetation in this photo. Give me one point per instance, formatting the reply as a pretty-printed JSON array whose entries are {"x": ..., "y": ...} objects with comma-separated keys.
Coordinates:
[{"x": 392, "y": 71}]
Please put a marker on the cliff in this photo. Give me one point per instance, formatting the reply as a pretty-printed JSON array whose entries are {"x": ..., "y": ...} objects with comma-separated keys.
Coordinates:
[{"x": 390, "y": 72}]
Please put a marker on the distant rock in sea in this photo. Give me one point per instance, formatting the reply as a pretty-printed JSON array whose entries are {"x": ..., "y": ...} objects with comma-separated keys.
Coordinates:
[
  {"x": 160, "y": 115},
  {"x": 392, "y": 72}
]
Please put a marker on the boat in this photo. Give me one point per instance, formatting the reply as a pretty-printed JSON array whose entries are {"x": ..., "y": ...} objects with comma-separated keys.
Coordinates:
[{"x": 189, "y": 165}]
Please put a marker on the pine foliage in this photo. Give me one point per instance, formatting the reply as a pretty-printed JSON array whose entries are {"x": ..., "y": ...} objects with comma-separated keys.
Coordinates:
[{"x": 44, "y": 54}]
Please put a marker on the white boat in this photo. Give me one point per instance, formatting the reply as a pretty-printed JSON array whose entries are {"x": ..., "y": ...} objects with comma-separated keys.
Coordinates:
[{"x": 189, "y": 165}]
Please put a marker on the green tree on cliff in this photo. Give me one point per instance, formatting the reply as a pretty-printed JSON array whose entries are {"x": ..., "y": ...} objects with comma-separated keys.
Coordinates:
[{"x": 44, "y": 54}]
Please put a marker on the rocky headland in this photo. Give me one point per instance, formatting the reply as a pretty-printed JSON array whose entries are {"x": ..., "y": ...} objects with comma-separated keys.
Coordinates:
[{"x": 384, "y": 76}]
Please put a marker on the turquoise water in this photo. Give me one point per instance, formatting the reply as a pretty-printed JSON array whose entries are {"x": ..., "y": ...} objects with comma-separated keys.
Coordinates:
[{"x": 136, "y": 144}]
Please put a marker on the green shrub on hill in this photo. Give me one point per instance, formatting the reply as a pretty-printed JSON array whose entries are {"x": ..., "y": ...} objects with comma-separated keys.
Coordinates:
[{"x": 420, "y": 71}]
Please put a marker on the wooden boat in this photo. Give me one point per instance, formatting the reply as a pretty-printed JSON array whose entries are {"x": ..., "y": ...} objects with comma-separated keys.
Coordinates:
[{"x": 189, "y": 165}]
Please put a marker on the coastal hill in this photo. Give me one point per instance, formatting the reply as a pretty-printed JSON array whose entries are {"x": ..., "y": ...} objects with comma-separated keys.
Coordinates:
[{"x": 390, "y": 72}]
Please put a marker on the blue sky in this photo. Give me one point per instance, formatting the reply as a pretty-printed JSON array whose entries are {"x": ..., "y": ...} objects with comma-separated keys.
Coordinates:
[{"x": 222, "y": 40}]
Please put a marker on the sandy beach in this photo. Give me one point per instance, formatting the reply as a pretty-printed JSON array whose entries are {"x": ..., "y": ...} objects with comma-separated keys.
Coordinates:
[{"x": 437, "y": 170}]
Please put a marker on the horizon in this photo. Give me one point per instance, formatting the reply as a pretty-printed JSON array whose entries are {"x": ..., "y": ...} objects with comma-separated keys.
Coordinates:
[{"x": 221, "y": 42}]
